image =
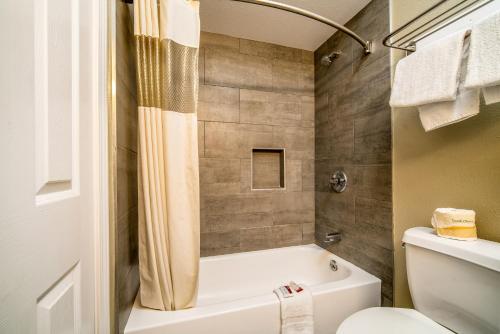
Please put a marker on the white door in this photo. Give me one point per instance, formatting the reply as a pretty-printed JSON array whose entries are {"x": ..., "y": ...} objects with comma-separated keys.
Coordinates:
[{"x": 47, "y": 177}]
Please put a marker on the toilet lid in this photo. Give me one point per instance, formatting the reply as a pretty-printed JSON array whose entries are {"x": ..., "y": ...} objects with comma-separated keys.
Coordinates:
[{"x": 388, "y": 320}]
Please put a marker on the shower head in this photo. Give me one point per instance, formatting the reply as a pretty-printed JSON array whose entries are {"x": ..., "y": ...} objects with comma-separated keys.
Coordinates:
[{"x": 328, "y": 59}]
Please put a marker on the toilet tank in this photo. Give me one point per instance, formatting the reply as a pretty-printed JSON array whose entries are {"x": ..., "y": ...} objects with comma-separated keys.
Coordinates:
[{"x": 455, "y": 283}]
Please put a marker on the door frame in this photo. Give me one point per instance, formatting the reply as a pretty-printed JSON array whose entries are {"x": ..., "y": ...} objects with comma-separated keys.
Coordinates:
[{"x": 103, "y": 89}]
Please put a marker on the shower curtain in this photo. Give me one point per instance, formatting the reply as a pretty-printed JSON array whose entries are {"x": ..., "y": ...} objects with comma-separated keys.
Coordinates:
[{"x": 167, "y": 36}]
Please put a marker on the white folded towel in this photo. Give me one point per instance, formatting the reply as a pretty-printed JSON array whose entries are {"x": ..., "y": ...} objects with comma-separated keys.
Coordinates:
[
  {"x": 466, "y": 105},
  {"x": 483, "y": 70},
  {"x": 296, "y": 310},
  {"x": 491, "y": 94},
  {"x": 436, "y": 115},
  {"x": 429, "y": 75}
]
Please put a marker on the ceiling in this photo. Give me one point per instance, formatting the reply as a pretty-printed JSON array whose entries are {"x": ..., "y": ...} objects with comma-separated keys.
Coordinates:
[{"x": 275, "y": 26}]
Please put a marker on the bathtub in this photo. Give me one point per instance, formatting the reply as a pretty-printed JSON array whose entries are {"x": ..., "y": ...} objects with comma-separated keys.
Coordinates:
[{"x": 235, "y": 294}]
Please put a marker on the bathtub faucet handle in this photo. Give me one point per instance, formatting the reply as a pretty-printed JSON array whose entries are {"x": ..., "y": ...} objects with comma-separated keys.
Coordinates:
[{"x": 332, "y": 237}]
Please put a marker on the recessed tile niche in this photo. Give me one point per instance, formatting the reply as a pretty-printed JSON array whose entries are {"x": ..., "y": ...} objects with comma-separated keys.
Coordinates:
[{"x": 268, "y": 168}]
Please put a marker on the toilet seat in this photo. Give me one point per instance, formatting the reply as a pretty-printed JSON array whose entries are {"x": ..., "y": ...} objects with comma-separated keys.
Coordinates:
[{"x": 388, "y": 320}]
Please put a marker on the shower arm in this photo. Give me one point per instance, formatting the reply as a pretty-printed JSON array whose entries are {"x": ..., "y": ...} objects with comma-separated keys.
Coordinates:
[{"x": 367, "y": 45}]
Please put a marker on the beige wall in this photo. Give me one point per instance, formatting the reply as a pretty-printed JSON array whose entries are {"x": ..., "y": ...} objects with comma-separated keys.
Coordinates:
[{"x": 456, "y": 166}]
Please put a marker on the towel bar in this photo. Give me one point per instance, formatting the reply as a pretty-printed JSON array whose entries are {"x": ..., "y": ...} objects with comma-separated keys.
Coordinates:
[{"x": 435, "y": 18}]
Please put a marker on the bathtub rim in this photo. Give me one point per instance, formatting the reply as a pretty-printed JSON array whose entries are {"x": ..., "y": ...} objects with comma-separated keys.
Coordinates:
[{"x": 142, "y": 318}]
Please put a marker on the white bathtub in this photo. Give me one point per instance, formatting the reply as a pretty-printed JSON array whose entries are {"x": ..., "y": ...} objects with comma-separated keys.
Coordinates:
[{"x": 235, "y": 294}]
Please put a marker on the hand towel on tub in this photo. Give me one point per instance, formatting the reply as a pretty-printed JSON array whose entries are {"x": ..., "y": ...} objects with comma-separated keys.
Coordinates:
[
  {"x": 296, "y": 309},
  {"x": 483, "y": 69},
  {"x": 455, "y": 223}
]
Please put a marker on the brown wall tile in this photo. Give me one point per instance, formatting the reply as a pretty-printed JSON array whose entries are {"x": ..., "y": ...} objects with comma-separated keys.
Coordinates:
[
  {"x": 260, "y": 107},
  {"x": 372, "y": 139},
  {"x": 307, "y": 57},
  {"x": 124, "y": 225},
  {"x": 294, "y": 175},
  {"x": 256, "y": 238},
  {"x": 127, "y": 244},
  {"x": 298, "y": 141},
  {"x": 219, "y": 176},
  {"x": 127, "y": 290},
  {"x": 231, "y": 222},
  {"x": 335, "y": 208},
  {"x": 210, "y": 40},
  {"x": 307, "y": 111},
  {"x": 126, "y": 180},
  {"x": 247, "y": 103},
  {"x": 232, "y": 140},
  {"x": 288, "y": 54},
  {"x": 375, "y": 212},
  {"x": 353, "y": 133},
  {"x": 220, "y": 188},
  {"x": 308, "y": 175},
  {"x": 235, "y": 204},
  {"x": 293, "y": 77},
  {"x": 214, "y": 243},
  {"x": 256, "y": 48},
  {"x": 126, "y": 116},
  {"x": 373, "y": 182},
  {"x": 308, "y": 233},
  {"x": 219, "y": 170},
  {"x": 233, "y": 69},
  {"x": 270, "y": 237},
  {"x": 293, "y": 208},
  {"x": 217, "y": 103},
  {"x": 246, "y": 175},
  {"x": 286, "y": 235},
  {"x": 201, "y": 139},
  {"x": 201, "y": 65}
]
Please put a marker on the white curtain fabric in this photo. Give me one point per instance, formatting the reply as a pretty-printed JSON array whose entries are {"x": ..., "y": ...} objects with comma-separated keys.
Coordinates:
[{"x": 167, "y": 39}]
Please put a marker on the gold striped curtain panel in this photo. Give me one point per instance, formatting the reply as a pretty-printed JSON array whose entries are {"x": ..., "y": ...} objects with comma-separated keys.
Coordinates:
[{"x": 167, "y": 36}]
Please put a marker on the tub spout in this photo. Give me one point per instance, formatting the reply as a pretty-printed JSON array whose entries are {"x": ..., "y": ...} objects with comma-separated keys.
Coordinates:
[{"x": 332, "y": 237}]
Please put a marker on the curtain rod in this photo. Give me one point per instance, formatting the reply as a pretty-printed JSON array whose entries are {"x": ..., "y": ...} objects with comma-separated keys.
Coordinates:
[{"x": 367, "y": 45}]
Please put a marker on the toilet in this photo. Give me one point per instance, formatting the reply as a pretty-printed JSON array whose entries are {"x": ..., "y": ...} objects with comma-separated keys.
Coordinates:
[{"x": 455, "y": 287}]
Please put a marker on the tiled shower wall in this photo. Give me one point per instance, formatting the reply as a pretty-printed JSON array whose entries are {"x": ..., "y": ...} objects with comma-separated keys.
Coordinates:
[
  {"x": 353, "y": 133},
  {"x": 254, "y": 95},
  {"x": 126, "y": 274}
]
